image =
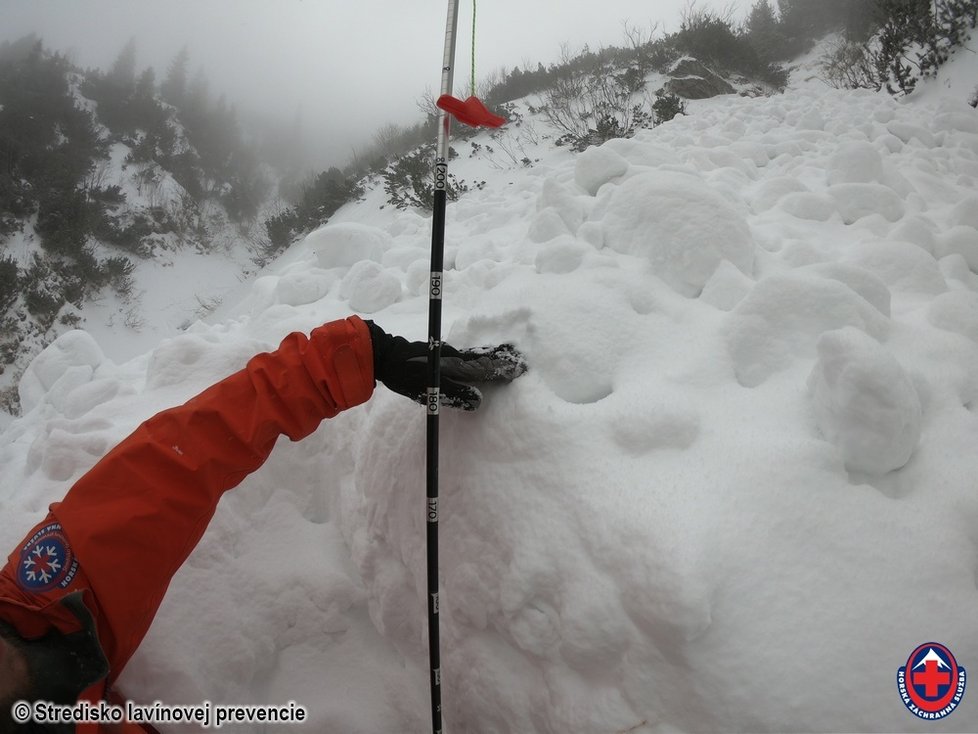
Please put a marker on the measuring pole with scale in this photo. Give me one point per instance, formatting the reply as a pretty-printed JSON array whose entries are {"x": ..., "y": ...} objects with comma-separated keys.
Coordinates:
[{"x": 435, "y": 291}]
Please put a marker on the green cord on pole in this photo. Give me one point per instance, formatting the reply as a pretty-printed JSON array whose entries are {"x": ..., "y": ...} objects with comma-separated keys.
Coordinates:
[{"x": 473, "y": 46}]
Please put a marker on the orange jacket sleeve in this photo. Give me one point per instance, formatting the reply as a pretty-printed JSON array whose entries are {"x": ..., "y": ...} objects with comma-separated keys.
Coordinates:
[{"x": 133, "y": 519}]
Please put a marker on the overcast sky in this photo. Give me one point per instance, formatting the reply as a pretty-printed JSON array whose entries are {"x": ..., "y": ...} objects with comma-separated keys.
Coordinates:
[{"x": 352, "y": 65}]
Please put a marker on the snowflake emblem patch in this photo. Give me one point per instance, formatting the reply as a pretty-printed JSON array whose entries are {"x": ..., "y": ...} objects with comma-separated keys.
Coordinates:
[{"x": 46, "y": 561}]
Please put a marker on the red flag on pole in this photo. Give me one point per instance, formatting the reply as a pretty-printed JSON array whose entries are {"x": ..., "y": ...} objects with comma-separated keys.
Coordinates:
[{"x": 471, "y": 112}]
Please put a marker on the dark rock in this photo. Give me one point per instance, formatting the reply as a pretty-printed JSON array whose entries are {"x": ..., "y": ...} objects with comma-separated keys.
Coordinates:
[
  {"x": 691, "y": 79},
  {"x": 690, "y": 67}
]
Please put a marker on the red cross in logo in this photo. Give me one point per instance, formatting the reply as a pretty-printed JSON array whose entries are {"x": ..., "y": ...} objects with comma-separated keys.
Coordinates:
[{"x": 931, "y": 678}]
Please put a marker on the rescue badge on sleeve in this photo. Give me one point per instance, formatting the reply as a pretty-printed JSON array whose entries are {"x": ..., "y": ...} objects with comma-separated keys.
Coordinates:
[{"x": 46, "y": 561}]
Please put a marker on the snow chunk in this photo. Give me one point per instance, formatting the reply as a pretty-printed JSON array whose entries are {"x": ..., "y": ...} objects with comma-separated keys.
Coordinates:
[
  {"x": 369, "y": 288},
  {"x": 597, "y": 166},
  {"x": 189, "y": 358},
  {"x": 547, "y": 225},
  {"x": 726, "y": 287},
  {"x": 812, "y": 119},
  {"x": 961, "y": 120},
  {"x": 864, "y": 402},
  {"x": 770, "y": 191},
  {"x": 563, "y": 255},
  {"x": 782, "y": 317},
  {"x": 297, "y": 289},
  {"x": 965, "y": 212},
  {"x": 956, "y": 311},
  {"x": 807, "y": 205},
  {"x": 961, "y": 240},
  {"x": 855, "y": 163},
  {"x": 901, "y": 265},
  {"x": 342, "y": 245},
  {"x": 907, "y": 132},
  {"x": 417, "y": 278},
  {"x": 955, "y": 267},
  {"x": 475, "y": 250},
  {"x": 567, "y": 206},
  {"x": 754, "y": 152},
  {"x": 684, "y": 228},
  {"x": 862, "y": 281},
  {"x": 403, "y": 257},
  {"x": 857, "y": 200},
  {"x": 73, "y": 356},
  {"x": 916, "y": 229},
  {"x": 86, "y": 397},
  {"x": 639, "y": 152}
]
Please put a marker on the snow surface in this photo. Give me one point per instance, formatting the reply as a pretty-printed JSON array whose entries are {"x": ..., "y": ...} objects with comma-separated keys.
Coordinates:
[{"x": 735, "y": 490}]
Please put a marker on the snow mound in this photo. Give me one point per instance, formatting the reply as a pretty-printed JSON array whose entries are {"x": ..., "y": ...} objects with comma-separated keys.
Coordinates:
[
  {"x": 560, "y": 211},
  {"x": 956, "y": 311},
  {"x": 770, "y": 191},
  {"x": 918, "y": 229},
  {"x": 726, "y": 287},
  {"x": 547, "y": 225},
  {"x": 864, "y": 402},
  {"x": 297, "y": 289},
  {"x": 189, "y": 357},
  {"x": 901, "y": 266},
  {"x": 965, "y": 212},
  {"x": 862, "y": 281},
  {"x": 782, "y": 317},
  {"x": 682, "y": 227},
  {"x": 961, "y": 240},
  {"x": 562, "y": 255},
  {"x": 342, "y": 245},
  {"x": 808, "y": 205},
  {"x": 856, "y": 162},
  {"x": 369, "y": 288},
  {"x": 857, "y": 200},
  {"x": 597, "y": 166},
  {"x": 908, "y": 132},
  {"x": 69, "y": 361}
]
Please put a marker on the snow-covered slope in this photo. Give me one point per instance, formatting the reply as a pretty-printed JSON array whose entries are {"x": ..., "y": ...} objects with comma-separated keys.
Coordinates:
[
  {"x": 183, "y": 269},
  {"x": 734, "y": 492}
]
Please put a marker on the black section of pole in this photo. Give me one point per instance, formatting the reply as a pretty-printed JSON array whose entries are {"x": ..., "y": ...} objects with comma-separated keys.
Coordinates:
[{"x": 433, "y": 406}]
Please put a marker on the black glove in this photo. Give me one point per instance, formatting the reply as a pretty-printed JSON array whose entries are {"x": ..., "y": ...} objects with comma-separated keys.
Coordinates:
[{"x": 403, "y": 367}]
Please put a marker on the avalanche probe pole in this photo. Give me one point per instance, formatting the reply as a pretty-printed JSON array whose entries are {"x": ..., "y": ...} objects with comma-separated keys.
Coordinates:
[{"x": 434, "y": 356}]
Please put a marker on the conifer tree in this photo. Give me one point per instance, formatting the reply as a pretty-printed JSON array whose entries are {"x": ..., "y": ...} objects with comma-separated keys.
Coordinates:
[
  {"x": 174, "y": 86},
  {"x": 764, "y": 33},
  {"x": 122, "y": 75},
  {"x": 146, "y": 85}
]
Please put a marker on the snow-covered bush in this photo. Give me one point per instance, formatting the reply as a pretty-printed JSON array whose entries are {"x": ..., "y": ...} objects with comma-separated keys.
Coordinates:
[
  {"x": 409, "y": 183},
  {"x": 913, "y": 41},
  {"x": 710, "y": 37},
  {"x": 592, "y": 108},
  {"x": 849, "y": 65},
  {"x": 8, "y": 282},
  {"x": 667, "y": 106}
]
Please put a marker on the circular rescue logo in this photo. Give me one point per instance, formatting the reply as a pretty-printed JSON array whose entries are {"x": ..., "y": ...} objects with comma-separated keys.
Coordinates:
[
  {"x": 931, "y": 684},
  {"x": 46, "y": 561}
]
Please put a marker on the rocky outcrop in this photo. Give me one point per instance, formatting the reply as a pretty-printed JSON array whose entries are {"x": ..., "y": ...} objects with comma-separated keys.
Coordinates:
[{"x": 691, "y": 79}]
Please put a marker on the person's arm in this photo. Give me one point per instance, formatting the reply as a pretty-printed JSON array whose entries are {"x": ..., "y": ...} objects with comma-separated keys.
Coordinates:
[
  {"x": 136, "y": 516},
  {"x": 128, "y": 524}
]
